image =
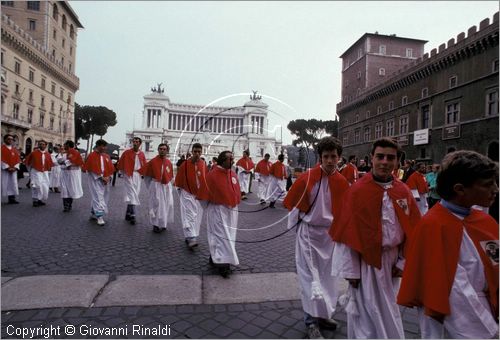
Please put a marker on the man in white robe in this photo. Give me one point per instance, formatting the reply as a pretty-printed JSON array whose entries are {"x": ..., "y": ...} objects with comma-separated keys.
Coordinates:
[
  {"x": 71, "y": 175},
  {"x": 10, "y": 166},
  {"x": 277, "y": 183},
  {"x": 245, "y": 167},
  {"x": 158, "y": 174},
  {"x": 55, "y": 172},
  {"x": 370, "y": 233},
  {"x": 130, "y": 162},
  {"x": 263, "y": 176},
  {"x": 223, "y": 197},
  {"x": 39, "y": 163},
  {"x": 190, "y": 179},
  {"x": 313, "y": 200}
]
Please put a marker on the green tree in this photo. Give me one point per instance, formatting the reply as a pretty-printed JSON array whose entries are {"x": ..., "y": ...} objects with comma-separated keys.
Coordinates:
[{"x": 92, "y": 120}]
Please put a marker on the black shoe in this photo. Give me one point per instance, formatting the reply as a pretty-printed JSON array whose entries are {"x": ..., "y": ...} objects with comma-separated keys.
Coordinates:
[
  {"x": 36, "y": 204},
  {"x": 271, "y": 205},
  {"x": 66, "y": 209},
  {"x": 225, "y": 271},
  {"x": 127, "y": 217},
  {"x": 41, "y": 203},
  {"x": 156, "y": 229},
  {"x": 328, "y": 323},
  {"x": 162, "y": 230},
  {"x": 210, "y": 261},
  {"x": 13, "y": 202},
  {"x": 132, "y": 220}
]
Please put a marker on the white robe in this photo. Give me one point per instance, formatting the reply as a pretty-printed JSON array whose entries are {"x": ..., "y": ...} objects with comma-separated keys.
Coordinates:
[
  {"x": 276, "y": 188},
  {"x": 133, "y": 184},
  {"x": 263, "y": 184},
  {"x": 161, "y": 203},
  {"x": 40, "y": 182},
  {"x": 422, "y": 204},
  {"x": 191, "y": 214},
  {"x": 55, "y": 172},
  {"x": 313, "y": 253},
  {"x": 9, "y": 181},
  {"x": 470, "y": 316},
  {"x": 244, "y": 179},
  {"x": 71, "y": 180},
  {"x": 99, "y": 194},
  {"x": 377, "y": 315},
  {"x": 222, "y": 224}
]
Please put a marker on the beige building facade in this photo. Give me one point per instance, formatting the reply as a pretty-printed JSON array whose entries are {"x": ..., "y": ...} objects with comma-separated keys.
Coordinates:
[{"x": 39, "y": 40}]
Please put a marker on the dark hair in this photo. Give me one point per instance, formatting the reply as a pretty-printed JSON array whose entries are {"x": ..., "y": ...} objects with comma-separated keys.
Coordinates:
[
  {"x": 197, "y": 146},
  {"x": 8, "y": 135},
  {"x": 329, "y": 144},
  {"x": 246, "y": 152},
  {"x": 101, "y": 142},
  {"x": 267, "y": 155},
  {"x": 351, "y": 157},
  {"x": 163, "y": 144},
  {"x": 222, "y": 157},
  {"x": 281, "y": 157},
  {"x": 69, "y": 143},
  {"x": 464, "y": 167},
  {"x": 386, "y": 143},
  {"x": 214, "y": 159},
  {"x": 139, "y": 138}
]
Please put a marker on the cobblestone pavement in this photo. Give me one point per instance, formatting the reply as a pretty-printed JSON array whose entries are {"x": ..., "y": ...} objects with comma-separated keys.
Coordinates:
[
  {"x": 45, "y": 240},
  {"x": 267, "y": 320}
]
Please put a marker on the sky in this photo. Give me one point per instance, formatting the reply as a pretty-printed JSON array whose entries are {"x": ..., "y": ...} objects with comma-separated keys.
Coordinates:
[{"x": 218, "y": 52}]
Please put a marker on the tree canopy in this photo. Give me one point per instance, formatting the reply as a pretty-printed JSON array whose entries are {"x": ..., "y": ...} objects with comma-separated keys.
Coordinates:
[{"x": 92, "y": 120}]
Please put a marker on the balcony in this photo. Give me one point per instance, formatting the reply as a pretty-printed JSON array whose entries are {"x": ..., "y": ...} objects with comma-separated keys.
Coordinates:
[{"x": 16, "y": 122}]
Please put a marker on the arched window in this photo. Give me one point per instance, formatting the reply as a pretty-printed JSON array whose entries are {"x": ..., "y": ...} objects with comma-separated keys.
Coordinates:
[
  {"x": 71, "y": 31},
  {"x": 64, "y": 22},
  {"x": 55, "y": 12}
]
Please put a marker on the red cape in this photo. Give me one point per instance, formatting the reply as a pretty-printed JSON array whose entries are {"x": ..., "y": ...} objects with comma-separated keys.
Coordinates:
[
  {"x": 264, "y": 167},
  {"x": 299, "y": 193},
  {"x": 246, "y": 163},
  {"x": 359, "y": 225},
  {"x": 278, "y": 170},
  {"x": 350, "y": 172},
  {"x": 417, "y": 181},
  {"x": 432, "y": 259},
  {"x": 34, "y": 160},
  {"x": 93, "y": 164},
  {"x": 153, "y": 169},
  {"x": 127, "y": 161},
  {"x": 10, "y": 157},
  {"x": 223, "y": 187},
  {"x": 74, "y": 157},
  {"x": 186, "y": 178}
]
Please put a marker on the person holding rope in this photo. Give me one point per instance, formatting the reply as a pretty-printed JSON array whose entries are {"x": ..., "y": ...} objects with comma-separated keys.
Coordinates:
[
  {"x": 223, "y": 196},
  {"x": 314, "y": 200},
  {"x": 376, "y": 219},
  {"x": 190, "y": 179}
]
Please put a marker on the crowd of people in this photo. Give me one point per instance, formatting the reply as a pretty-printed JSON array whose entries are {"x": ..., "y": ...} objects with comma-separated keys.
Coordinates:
[{"x": 416, "y": 236}]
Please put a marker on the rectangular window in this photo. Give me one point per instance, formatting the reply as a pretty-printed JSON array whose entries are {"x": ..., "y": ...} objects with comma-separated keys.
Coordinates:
[
  {"x": 453, "y": 82},
  {"x": 42, "y": 101},
  {"x": 33, "y": 5},
  {"x": 63, "y": 43},
  {"x": 425, "y": 114},
  {"x": 2, "y": 58},
  {"x": 404, "y": 101},
  {"x": 52, "y": 106},
  {"x": 381, "y": 49},
  {"x": 17, "y": 90},
  {"x": 43, "y": 83},
  {"x": 42, "y": 118},
  {"x": 367, "y": 134},
  {"x": 51, "y": 123},
  {"x": 31, "y": 25},
  {"x": 378, "y": 130},
  {"x": 452, "y": 113},
  {"x": 71, "y": 50},
  {"x": 32, "y": 75},
  {"x": 390, "y": 127},
  {"x": 17, "y": 67},
  {"x": 409, "y": 53},
  {"x": 391, "y": 105},
  {"x": 425, "y": 92},
  {"x": 61, "y": 93},
  {"x": 31, "y": 96},
  {"x": 360, "y": 53},
  {"x": 495, "y": 65},
  {"x": 492, "y": 103},
  {"x": 15, "y": 110},
  {"x": 357, "y": 133},
  {"x": 53, "y": 89},
  {"x": 381, "y": 71},
  {"x": 345, "y": 138},
  {"x": 30, "y": 116},
  {"x": 403, "y": 125},
  {"x": 367, "y": 114},
  {"x": 8, "y": 3},
  {"x": 359, "y": 75},
  {"x": 379, "y": 110}
]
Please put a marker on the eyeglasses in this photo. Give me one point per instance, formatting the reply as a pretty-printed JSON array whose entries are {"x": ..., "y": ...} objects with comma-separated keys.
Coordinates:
[{"x": 381, "y": 156}]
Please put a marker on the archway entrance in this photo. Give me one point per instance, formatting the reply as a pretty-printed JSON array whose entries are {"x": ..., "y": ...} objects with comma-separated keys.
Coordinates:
[{"x": 28, "y": 146}]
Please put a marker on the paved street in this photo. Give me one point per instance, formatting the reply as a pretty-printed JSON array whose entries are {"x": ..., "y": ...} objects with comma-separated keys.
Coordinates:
[{"x": 45, "y": 241}]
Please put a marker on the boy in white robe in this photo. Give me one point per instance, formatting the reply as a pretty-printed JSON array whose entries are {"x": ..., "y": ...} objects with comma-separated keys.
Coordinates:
[{"x": 11, "y": 161}]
